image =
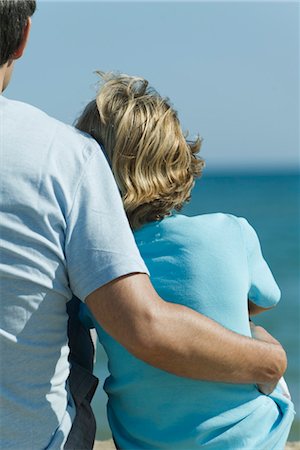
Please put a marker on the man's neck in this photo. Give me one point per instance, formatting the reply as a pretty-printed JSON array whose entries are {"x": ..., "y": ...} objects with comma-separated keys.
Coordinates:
[
  {"x": 5, "y": 74},
  {"x": 2, "y": 75}
]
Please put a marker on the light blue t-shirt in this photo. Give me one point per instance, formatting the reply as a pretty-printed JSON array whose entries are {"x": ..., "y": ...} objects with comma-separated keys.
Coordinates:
[
  {"x": 212, "y": 264},
  {"x": 63, "y": 232}
]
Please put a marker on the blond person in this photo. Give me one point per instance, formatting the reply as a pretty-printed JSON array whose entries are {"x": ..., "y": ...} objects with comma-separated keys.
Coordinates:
[{"x": 210, "y": 263}]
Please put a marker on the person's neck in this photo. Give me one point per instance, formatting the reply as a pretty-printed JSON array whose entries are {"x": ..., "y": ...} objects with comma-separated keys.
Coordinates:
[
  {"x": 5, "y": 75},
  {"x": 2, "y": 75}
]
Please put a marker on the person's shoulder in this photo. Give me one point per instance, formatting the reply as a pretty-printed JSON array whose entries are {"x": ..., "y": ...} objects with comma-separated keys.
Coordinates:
[
  {"x": 72, "y": 139},
  {"x": 47, "y": 128},
  {"x": 24, "y": 111},
  {"x": 217, "y": 219},
  {"x": 220, "y": 219},
  {"x": 207, "y": 226},
  {"x": 231, "y": 225},
  {"x": 179, "y": 224}
]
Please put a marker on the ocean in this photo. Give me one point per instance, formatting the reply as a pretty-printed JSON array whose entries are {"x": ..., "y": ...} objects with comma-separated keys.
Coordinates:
[{"x": 271, "y": 203}]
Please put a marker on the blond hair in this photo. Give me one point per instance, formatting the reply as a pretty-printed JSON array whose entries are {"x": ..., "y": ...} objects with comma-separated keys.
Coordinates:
[{"x": 153, "y": 163}]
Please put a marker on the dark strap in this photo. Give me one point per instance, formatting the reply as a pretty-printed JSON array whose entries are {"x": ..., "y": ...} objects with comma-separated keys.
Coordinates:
[{"x": 82, "y": 382}]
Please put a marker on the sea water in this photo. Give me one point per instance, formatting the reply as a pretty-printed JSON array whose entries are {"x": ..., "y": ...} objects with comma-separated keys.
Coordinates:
[{"x": 271, "y": 205}]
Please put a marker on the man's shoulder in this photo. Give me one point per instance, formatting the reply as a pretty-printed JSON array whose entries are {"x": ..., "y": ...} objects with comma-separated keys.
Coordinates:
[
  {"x": 49, "y": 128},
  {"x": 25, "y": 111}
]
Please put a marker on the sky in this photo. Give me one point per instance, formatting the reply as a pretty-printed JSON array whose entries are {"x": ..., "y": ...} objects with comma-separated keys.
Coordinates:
[{"x": 230, "y": 69}]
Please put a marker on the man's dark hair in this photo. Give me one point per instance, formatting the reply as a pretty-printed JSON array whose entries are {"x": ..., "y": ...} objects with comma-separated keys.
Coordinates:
[{"x": 13, "y": 18}]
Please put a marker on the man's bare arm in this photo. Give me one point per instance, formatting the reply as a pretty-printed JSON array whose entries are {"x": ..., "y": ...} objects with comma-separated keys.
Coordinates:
[{"x": 179, "y": 340}]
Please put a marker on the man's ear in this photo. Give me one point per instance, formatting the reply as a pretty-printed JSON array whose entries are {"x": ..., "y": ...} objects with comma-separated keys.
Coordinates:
[{"x": 19, "y": 52}]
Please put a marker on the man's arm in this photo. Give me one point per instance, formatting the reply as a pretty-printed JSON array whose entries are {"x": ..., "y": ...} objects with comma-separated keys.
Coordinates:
[
  {"x": 179, "y": 340},
  {"x": 261, "y": 334}
]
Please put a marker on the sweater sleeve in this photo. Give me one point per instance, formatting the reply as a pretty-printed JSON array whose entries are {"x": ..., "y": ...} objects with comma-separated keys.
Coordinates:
[{"x": 263, "y": 289}]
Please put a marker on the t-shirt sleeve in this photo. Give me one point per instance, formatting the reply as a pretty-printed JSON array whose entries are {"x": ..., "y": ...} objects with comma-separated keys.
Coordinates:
[
  {"x": 263, "y": 289},
  {"x": 99, "y": 245}
]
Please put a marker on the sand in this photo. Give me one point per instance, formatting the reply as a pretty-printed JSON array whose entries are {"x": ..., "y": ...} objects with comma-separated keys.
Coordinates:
[
  {"x": 104, "y": 445},
  {"x": 109, "y": 445}
]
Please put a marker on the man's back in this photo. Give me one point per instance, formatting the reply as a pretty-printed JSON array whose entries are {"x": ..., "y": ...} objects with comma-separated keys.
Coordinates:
[
  {"x": 33, "y": 272},
  {"x": 48, "y": 179}
]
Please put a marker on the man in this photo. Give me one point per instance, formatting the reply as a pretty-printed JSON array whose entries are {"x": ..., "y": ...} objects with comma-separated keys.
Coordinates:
[{"x": 64, "y": 232}]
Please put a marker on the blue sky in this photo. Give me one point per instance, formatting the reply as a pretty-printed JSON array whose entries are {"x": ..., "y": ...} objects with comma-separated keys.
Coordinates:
[{"x": 231, "y": 69}]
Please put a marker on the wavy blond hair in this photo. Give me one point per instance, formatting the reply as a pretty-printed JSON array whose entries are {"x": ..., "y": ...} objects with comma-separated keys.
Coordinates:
[{"x": 153, "y": 163}]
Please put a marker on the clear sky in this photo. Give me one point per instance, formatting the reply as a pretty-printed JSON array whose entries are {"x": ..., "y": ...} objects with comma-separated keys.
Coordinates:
[{"x": 231, "y": 69}]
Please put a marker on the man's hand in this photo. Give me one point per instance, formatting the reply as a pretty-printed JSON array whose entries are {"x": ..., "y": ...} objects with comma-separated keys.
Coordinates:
[{"x": 261, "y": 334}]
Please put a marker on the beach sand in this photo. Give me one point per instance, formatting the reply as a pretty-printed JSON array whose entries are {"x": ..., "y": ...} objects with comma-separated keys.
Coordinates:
[
  {"x": 104, "y": 445},
  {"x": 109, "y": 445}
]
